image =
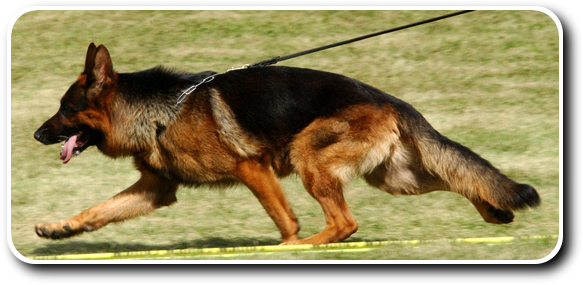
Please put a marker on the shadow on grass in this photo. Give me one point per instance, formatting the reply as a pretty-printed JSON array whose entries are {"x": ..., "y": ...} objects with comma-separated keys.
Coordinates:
[{"x": 76, "y": 247}]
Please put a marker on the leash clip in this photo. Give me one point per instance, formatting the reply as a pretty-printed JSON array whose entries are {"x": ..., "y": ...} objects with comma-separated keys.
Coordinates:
[{"x": 238, "y": 68}]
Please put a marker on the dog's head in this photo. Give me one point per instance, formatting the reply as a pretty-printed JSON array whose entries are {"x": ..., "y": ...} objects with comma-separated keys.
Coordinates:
[{"x": 82, "y": 118}]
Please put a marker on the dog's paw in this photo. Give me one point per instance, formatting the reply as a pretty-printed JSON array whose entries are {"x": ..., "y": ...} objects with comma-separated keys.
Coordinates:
[
  {"x": 498, "y": 216},
  {"x": 57, "y": 230}
]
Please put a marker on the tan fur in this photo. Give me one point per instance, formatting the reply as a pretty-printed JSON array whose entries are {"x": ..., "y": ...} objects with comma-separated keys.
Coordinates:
[
  {"x": 229, "y": 131},
  {"x": 146, "y": 195},
  {"x": 261, "y": 180},
  {"x": 360, "y": 138}
]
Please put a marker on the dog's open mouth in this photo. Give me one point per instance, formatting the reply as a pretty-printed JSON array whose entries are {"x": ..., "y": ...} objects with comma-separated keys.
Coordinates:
[{"x": 73, "y": 146}]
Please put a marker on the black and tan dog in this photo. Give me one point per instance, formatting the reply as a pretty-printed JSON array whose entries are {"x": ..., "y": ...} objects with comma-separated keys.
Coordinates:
[{"x": 255, "y": 125}]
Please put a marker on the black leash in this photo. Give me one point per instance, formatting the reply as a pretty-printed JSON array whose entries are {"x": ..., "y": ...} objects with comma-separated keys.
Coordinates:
[{"x": 277, "y": 59}]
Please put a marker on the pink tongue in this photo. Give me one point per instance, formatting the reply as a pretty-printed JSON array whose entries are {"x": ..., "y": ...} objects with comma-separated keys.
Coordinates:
[{"x": 68, "y": 147}]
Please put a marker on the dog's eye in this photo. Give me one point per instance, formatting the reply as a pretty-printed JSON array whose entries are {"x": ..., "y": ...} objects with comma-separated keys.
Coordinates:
[{"x": 65, "y": 110}]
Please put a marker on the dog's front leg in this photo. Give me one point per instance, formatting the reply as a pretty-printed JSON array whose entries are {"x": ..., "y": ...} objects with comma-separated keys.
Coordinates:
[
  {"x": 145, "y": 196},
  {"x": 261, "y": 180}
]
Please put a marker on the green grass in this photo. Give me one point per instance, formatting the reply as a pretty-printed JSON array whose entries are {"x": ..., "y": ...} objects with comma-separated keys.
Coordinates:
[{"x": 488, "y": 79}]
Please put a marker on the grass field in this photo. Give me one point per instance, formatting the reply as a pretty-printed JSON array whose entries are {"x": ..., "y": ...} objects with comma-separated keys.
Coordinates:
[{"x": 488, "y": 79}]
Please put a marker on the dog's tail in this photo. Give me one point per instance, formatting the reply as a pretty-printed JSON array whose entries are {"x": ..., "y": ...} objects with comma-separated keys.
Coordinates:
[
  {"x": 460, "y": 169},
  {"x": 466, "y": 173}
]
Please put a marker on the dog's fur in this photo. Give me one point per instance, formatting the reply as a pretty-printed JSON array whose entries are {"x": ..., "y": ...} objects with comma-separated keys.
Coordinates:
[{"x": 255, "y": 125}]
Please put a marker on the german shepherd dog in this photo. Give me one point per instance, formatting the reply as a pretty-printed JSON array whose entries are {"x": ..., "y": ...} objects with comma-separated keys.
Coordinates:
[{"x": 253, "y": 126}]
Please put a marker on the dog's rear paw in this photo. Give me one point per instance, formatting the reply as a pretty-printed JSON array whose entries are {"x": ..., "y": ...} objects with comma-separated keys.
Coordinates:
[{"x": 498, "y": 216}]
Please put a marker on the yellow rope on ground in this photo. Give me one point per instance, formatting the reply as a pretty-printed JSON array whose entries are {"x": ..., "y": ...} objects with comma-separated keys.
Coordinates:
[{"x": 233, "y": 251}]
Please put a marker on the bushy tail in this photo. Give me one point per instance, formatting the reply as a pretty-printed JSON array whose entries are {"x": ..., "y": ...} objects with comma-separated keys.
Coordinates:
[{"x": 467, "y": 173}]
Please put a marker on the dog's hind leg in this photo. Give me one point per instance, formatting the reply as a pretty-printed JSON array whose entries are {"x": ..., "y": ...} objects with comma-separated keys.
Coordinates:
[
  {"x": 260, "y": 178},
  {"x": 332, "y": 151},
  {"x": 145, "y": 196},
  {"x": 492, "y": 214}
]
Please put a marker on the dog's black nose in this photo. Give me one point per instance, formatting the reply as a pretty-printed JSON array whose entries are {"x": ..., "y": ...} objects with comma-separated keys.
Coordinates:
[{"x": 39, "y": 134}]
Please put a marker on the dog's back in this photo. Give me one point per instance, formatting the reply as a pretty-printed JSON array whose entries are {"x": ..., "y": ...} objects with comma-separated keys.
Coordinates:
[{"x": 272, "y": 101}]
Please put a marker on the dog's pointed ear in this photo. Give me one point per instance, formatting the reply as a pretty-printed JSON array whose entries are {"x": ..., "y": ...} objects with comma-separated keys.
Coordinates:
[
  {"x": 90, "y": 59},
  {"x": 98, "y": 65},
  {"x": 103, "y": 68}
]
